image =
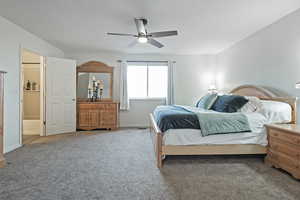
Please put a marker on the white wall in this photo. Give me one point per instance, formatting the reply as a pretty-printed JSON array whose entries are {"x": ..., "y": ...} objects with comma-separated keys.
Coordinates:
[
  {"x": 191, "y": 76},
  {"x": 271, "y": 57},
  {"x": 12, "y": 38}
]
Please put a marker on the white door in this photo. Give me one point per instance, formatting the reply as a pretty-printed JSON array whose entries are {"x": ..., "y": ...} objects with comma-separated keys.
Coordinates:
[{"x": 60, "y": 95}]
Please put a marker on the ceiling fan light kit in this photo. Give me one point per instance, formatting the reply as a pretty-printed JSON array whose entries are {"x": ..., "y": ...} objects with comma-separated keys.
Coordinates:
[
  {"x": 142, "y": 39},
  {"x": 143, "y": 36}
]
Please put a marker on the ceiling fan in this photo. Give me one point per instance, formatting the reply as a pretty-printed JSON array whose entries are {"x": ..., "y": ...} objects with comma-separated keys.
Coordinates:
[{"x": 143, "y": 36}]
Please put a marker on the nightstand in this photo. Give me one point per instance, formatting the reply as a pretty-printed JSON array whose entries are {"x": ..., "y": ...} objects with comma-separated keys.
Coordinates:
[{"x": 284, "y": 147}]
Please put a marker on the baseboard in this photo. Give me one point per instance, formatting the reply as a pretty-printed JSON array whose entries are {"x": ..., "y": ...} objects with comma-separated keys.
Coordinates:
[
  {"x": 11, "y": 147},
  {"x": 31, "y": 133},
  {"x": 134, "y": 126}
]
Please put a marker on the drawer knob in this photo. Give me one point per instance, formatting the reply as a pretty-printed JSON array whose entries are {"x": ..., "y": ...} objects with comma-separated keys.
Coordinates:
[{"x": 276, "y": 134}]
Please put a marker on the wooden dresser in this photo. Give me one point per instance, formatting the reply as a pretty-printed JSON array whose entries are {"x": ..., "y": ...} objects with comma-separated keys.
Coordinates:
[
  {"x": 97, "y": 115},
  {"x": 2, "y": 160},
  {"x": 284, "y": 148},
  {"x": 93, "y": 113}
]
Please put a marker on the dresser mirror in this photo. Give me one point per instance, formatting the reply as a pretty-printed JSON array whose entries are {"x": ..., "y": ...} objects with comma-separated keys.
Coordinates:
[{"x": 94, "y": 82}]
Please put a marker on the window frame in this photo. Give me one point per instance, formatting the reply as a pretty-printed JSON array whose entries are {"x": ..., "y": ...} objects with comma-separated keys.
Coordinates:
[{"x": 147, "y": 63}]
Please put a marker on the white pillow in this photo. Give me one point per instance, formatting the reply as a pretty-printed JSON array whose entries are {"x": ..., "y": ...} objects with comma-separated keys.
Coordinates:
[
  {"x": 253, "y": 105},
  {"x": 276, "y": 112}
]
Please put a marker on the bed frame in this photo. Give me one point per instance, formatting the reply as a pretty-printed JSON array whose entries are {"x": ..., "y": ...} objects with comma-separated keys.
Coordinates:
[{"x": 161, "y": 150}]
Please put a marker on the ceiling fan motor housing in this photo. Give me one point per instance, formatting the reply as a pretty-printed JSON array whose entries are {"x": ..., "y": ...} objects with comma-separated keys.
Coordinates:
[{"x": 145, "y": 21}]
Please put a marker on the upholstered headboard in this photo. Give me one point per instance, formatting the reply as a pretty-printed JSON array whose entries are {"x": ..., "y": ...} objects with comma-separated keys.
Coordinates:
[{"x": 266, "y": 94}]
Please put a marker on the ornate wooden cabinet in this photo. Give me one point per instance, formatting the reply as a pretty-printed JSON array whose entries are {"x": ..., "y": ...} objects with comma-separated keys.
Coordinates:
[
  {"x": 95, "y": 106},
  {"x": 2, "y": 160},
  {"x": 97, "y": 115}
]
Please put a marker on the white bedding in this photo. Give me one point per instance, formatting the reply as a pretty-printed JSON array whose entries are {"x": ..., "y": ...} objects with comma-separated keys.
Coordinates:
[
  {"x": 270, "y": 112},
  {"x": 276, "y": 112},
  {"x": 194, "y": 137}
]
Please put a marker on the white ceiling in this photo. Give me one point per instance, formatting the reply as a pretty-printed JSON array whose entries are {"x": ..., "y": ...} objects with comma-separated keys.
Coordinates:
[{"x": 204, "y": 26}]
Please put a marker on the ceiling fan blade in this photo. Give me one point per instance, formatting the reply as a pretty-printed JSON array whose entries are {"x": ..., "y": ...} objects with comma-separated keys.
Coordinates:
[
  {"x": 133, "y": 43},
  {"x": 163, "y": 34},
  {"x": 155, "y": 43},
  {"x": 140, "y": 26},
  {"x": 122, "y": 34}
]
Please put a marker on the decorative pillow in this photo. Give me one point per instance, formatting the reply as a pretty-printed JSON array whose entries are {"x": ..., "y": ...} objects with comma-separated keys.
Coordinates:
[
  {"x": 207, "y": 101},
  {"x": 253, "y": 105},
  {"x": 276, "y": 112},
  {"x": 229, "y": 103}
]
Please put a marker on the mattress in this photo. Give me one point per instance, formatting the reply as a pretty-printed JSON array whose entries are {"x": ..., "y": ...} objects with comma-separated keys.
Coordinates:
[{"x": 193, "y": 136}]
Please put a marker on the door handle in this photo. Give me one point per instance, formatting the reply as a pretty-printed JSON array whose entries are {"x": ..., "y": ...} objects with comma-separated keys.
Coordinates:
[{"x": 73, "y": 99}]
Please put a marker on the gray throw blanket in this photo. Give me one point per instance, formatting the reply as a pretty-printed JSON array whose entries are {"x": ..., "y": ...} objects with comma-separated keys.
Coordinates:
[{"x": 212, "y": 123}]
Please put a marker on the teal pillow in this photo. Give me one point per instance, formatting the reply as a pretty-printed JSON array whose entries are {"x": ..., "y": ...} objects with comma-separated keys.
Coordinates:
[{"x": 207, "y": 101}]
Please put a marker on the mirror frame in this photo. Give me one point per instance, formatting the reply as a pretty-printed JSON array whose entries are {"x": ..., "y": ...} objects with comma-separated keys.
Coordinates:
[{"x": 95, "y": 67}]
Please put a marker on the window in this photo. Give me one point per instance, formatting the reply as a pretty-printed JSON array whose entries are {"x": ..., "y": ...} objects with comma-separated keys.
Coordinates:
[{"x": 147, "y": 80}]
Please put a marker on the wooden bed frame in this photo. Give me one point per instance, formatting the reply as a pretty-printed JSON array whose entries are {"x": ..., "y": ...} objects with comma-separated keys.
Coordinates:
[{"x": 162, "y": 150}]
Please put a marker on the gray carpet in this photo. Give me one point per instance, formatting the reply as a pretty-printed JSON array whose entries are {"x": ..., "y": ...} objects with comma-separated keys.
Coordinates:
[{"x": 120, "y": 165}]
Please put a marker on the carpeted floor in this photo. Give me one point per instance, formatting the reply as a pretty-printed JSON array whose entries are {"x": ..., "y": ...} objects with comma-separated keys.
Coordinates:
[{"x": 120, "y": 165}]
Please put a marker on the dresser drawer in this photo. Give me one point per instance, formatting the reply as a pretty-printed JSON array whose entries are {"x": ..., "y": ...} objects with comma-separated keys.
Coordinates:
[
  {"x": 97, "y": 115},
  {"x": 100, "y": 106},
  {"x": 108, "y": 119},
  {"x": 278, "y": 145},
  {"x": 110, "y": 106},
  {"x": 89, "y": 106},
  {"x": 287, "y": 163},
  {"x": 287, "y": 137}
]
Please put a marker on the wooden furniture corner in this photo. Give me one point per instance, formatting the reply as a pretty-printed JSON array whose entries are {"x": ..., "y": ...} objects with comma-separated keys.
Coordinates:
[{"x": 284, "y": 148}]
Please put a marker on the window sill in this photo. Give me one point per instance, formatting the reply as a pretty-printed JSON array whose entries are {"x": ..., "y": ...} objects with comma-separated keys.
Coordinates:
[{"x": 147, "y": 99}]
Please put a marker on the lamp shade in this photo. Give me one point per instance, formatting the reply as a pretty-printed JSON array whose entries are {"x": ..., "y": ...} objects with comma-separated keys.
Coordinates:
[{"x": 212, "y": 87}]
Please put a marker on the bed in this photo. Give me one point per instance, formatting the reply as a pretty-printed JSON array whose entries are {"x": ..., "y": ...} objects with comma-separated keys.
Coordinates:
[{"x": 230, "y": 144}]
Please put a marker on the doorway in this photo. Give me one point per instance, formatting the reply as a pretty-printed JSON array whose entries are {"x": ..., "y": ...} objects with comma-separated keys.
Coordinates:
[{"x": 32, "y": 96}]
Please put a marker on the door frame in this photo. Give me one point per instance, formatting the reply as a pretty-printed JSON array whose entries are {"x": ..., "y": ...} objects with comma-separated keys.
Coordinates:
[{"x": 42, "y": 93}]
